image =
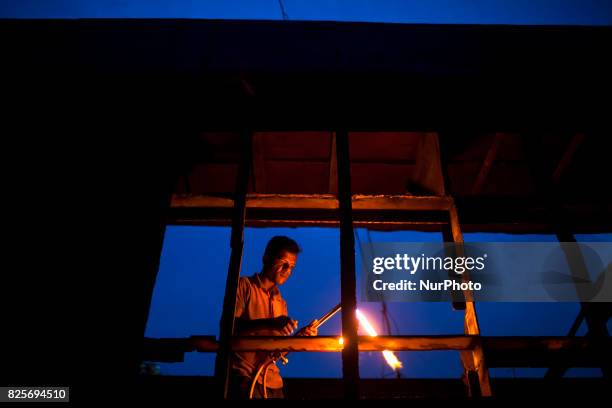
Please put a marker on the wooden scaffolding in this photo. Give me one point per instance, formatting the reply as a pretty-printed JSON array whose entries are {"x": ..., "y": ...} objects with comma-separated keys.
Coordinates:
[
  {"x": 446, "y": 128},
  {"x": 431, "y": 209}
]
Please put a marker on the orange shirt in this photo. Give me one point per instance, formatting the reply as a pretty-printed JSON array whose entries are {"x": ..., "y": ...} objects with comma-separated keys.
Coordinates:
[{"x": 253, "y": 302}]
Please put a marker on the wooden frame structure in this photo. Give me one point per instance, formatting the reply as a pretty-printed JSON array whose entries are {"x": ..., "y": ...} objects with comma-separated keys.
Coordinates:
[
  {"x": 433, "y": 212},
  {"x": 146, "y": 92}
]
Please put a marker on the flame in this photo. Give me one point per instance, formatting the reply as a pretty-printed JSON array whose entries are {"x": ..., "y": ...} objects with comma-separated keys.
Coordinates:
[
  {"x": 390, "y": 357},
  {"x": 341, "y": 340},
  {"x": 392, "y": 360}
]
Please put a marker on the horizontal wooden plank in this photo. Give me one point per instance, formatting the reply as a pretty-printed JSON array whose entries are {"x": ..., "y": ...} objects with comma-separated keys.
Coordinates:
[
  {"x": 317, "y": 202},
  {"x": 280, "y": 223},
  {"x": 387, "y": 212},
  {"x": 318, "y": 343},
  {"x": 293, "y": 201},
  {"x": 198, "y": 201},
  {"x": 514, "y": 351},
  {"x": 366, "y": 343},
  {"x": 424, "y": 226},
  {"x": 416, "y": 343},
  {"x": 401, "y": 202}
]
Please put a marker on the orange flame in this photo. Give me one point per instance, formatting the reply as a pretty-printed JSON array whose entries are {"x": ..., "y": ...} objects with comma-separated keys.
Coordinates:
[{"x": 390, "y": 357}]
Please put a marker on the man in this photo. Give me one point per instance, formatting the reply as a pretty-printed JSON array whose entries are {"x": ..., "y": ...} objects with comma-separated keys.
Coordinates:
[{"x": 261, "y": 311}]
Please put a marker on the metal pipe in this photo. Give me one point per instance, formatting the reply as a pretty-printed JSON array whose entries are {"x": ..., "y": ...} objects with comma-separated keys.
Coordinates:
[{"x": 328, "y": 315}]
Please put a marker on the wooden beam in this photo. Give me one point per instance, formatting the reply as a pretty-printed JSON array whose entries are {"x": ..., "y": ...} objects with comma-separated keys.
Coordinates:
[
  {"x": 207, "y": 344},
  {"x": 488, "y": 205},
  {"x": 427, "y": 176},
  {"x": 504, "y": 350},
  {"x": 366, "y": 343},
  {"x": 259, "y": 170},
  {"x": 425, "y": 226},
  {"x": 401, "y": 202},
  {"x": 293, "y": 201},
  {"x": 476, "y": 370},
  {"x": 457, "y": 298},
  {"x": 476, "y": 374},
  {"x": 318, "y": 202},
  {"x": 514, "y": 216},
  {"x": 380, "y": 225},
  {"x": 567, "y": 157},
  {"x": 223, "y": 360},
  {"x": 416, "y": 343},
  {"x": 455, "y": 227},
  {"x": 348, "y": 296},
  {"x": 198, "y": 201},
  {"x": 487, "y": 163}
]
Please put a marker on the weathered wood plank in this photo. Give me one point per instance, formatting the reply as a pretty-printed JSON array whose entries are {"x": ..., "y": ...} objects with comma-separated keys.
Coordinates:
[
  {"x": 318, "y": 202},
  {"x": 222, "y": 362}
]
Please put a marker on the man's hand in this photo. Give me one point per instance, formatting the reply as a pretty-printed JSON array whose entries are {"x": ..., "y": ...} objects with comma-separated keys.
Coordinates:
[
  {"x": 310, "y": 330},
  {"x": 289, "y": 327},
  {"x": 285, "y": 325}
]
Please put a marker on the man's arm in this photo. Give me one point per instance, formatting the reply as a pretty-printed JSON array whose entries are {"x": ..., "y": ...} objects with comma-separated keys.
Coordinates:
[
  {"x": 279, "y": 326},
  {"x": 310, "y": 330}
]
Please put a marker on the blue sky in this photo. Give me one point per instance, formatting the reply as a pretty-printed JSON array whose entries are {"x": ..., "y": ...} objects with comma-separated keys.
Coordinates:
[
  {"x": 188, "y": 298},
  {"x": 563, "y": 12}
]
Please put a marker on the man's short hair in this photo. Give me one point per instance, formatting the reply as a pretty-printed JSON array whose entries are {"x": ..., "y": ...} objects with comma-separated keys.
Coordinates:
[{"x": 280, "y": 243}]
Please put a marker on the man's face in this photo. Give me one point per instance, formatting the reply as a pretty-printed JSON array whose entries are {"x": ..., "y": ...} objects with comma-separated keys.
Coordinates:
[{"x": 281, "y": 267}]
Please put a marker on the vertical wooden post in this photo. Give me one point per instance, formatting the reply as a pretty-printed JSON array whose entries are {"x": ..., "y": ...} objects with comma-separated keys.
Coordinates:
[
  {"x": 476, "y": 370},
  {"x": 222, "y": 363},
  {"x": 350, "y": 353}
]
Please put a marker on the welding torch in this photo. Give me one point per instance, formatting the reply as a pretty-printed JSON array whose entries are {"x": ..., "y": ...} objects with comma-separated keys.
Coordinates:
[
  {"x": 319, "y": 323},
  {"x": 279, "y": 355}
]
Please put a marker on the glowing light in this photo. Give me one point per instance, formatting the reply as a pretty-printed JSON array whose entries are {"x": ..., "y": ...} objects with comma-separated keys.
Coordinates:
[
  {"x": 365, "y": 323},
  {"x": 389, "y": 356},
  {"x": 341, "y": 340},
  {"x": 392, "y": 360}
]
